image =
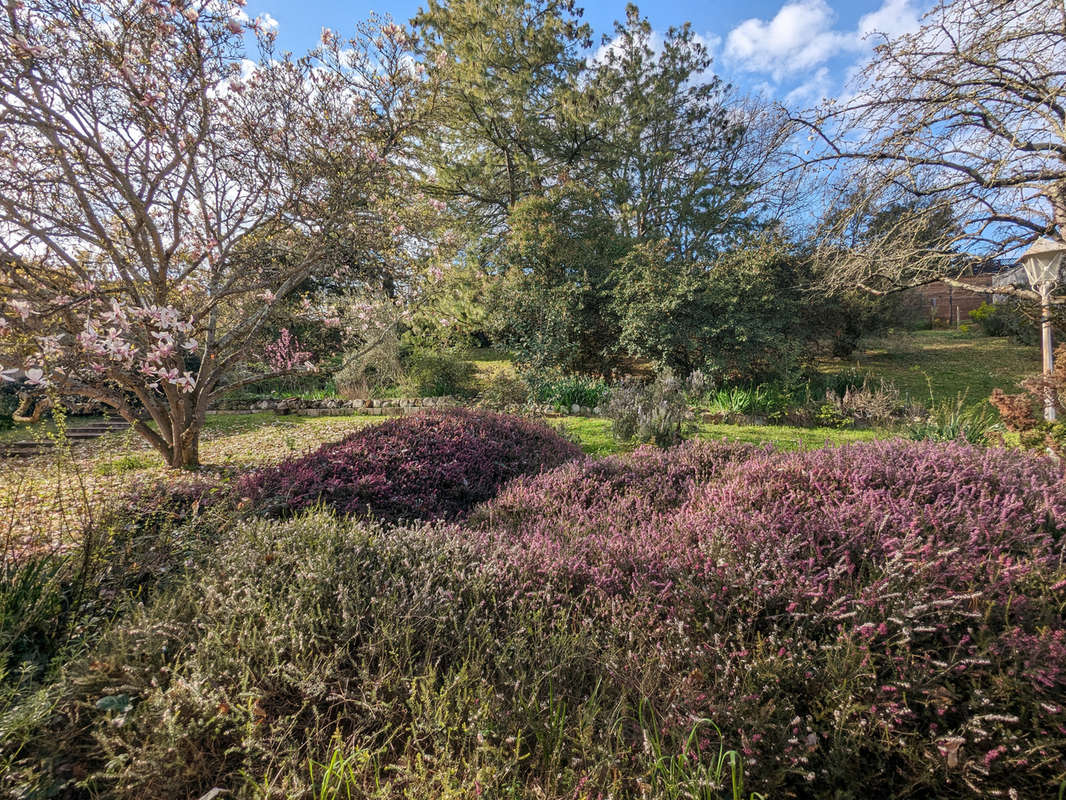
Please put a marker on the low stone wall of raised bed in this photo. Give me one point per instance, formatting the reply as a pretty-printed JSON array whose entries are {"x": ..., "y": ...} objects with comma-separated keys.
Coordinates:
[
  {"x": 335, "y": 407},
  {"x": 386, "y": 406}
]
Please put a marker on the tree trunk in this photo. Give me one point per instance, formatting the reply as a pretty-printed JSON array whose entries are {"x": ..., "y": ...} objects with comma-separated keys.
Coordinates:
[
  {"x": 186, "y": 455},
  {"x": 181, "y": 453}
]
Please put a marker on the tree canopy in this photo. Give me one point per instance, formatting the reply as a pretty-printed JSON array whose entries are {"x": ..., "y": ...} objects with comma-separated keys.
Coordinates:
[
  {"x": 158, "y": 198},
  {"x": 963, "y": 118}
]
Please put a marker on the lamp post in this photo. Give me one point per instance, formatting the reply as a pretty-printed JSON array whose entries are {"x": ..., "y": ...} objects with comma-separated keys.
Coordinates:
[{"x": 1042, "y": 262}]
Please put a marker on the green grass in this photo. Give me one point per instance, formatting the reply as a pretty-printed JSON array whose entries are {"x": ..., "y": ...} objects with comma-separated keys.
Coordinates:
[
  {"x": 594, "y": 435},
  {"x": 948, "y": 363}
]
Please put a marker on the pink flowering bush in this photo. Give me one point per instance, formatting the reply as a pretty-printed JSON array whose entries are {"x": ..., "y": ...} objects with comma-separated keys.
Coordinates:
[
  {"x": 602, "y": 523},
  {"x": 897, "y": 605},
  {"x": 284, "y": 354},
  {"x": 437, "y": 464}
]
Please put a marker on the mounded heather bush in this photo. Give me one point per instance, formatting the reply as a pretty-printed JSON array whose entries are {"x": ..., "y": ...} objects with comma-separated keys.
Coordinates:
[
  {"x": 437, "y": 464},
  {"x": 895, "y": 605},
  {"x": 602, "y": 521}
]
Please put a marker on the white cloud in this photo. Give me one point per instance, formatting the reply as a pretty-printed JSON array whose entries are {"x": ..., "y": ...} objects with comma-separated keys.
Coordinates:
[
  {"x": 893, "y": 18},
  {"x": 267, "y": 22},
  {"x": 813, "y": 90},
  {"x": 802, "y": 36}
]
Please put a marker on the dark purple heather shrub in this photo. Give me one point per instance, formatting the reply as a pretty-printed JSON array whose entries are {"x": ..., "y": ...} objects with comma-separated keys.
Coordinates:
[
  {"x": 437, "y": 464},
  {"x": 896, "y": 605}
]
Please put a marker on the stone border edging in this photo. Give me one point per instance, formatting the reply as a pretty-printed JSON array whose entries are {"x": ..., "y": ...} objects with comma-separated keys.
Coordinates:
[{"x": 388, "y": 406}]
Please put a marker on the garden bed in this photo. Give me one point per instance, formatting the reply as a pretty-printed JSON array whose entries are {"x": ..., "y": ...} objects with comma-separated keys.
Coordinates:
[{"x": 711, "y": 620}]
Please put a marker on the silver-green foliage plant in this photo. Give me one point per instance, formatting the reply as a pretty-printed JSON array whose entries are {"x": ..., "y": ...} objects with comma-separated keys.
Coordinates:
[{"x": 654, "y": 412}]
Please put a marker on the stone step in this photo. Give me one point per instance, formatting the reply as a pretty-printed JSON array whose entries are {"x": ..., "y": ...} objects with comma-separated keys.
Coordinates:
[{"x": 81, "y": 433}]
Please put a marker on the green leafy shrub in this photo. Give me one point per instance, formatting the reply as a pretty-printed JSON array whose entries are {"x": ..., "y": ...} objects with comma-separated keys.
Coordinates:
[
  {"x": 431, "y": 373},
  {"x": 741, "y": 316},
  {"x": 829, "y": 415},
  {"x": 564, "y": 391},
  {"x": 502, "y": 390},
  {"x": 1007, "y": 318}
]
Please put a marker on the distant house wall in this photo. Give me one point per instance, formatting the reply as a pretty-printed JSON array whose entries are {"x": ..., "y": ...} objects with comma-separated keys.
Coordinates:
[{"x": 949, "y": 304}]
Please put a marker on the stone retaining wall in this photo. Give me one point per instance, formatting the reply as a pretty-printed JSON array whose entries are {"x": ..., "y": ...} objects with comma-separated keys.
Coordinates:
[{"x": 388, "y": 406}]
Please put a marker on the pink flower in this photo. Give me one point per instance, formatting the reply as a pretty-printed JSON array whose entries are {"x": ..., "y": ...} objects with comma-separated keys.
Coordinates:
[{"x": 23, "y": 309}]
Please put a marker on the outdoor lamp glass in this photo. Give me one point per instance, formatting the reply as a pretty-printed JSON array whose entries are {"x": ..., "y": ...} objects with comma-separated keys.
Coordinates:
[{"x": 1042, "y": 262}]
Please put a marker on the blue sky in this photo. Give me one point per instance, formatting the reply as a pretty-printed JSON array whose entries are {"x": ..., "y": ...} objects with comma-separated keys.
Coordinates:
[{"x": 796, "y": 51}]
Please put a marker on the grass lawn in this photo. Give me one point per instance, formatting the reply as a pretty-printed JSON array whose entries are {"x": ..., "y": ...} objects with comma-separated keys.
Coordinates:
[
  {"x": 946, "y": 363},
  {"x": 594, "y": 435}
]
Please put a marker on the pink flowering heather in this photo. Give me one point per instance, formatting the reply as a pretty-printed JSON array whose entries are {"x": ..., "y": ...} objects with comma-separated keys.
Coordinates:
[
  {"x": 866, "y": 604},
  {"x": 604, "y": 523},
  {"x": 434, "y": 465}
]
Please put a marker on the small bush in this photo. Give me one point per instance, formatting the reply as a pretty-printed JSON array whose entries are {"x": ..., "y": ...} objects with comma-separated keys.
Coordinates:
[
  {"x": 839, "y": 383},
  {"x": 501, "y": 390},
  {"x": 127, "y": 463},
  {"x": 956, "y": 421},
  {"x": 565, "y": 391},
  {"x": 829, "y": 415},
  {"x": 436, "y": 464},
  {"x": 56, "y": 602},
  {"x": 655, "y": 412},
  {"x": 763, "y": 400},
  {"x": 371, "y": 372},
  {"x": 879, "y": 404},
  {"x": 436, "y": 374},
  {"x": 1007, "y": 319},
  {"x": 34, "y": 599}
]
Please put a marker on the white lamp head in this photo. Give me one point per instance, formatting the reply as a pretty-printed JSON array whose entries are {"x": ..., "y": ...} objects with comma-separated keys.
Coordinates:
[{"x": 1042, "y": 262}]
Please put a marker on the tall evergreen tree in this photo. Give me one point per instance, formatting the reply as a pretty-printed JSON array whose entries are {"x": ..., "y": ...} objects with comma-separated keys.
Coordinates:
[
  {"x": 510, "y": 121},
  {"x": 671, "y": 162}
]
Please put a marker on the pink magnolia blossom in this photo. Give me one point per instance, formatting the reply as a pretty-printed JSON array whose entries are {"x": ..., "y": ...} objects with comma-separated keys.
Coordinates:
[{"x": 22, "y": 308}]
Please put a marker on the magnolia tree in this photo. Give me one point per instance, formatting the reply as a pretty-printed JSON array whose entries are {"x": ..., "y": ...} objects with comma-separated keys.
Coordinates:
[
  {"x": 161, "y": 194},
  {"x": 952, "y": 141}
]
